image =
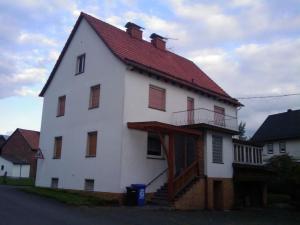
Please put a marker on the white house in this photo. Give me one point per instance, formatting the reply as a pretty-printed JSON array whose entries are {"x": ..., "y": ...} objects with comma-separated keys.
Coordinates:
[
  {"x": 13, "y": 167},
  {"x": 280, "y": 134},
  {"x": 120, "y": 110}
]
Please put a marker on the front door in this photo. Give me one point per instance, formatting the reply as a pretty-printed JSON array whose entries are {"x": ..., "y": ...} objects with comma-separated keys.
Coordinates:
[{"x": 190, "y": 110}]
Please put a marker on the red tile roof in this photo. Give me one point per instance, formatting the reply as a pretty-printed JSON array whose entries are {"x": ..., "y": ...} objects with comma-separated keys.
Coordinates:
[
  {"x": 32, "y": 137},
  {"x": 140, "y": 52}
]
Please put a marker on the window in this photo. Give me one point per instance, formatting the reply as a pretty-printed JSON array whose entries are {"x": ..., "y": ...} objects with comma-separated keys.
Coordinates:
[
  {"x": 89, "y": 185},
  {"x": 80, "y": 64},
  {"x": 154, "y": 146},
  {"x": 270, "y": 148},
  {"x": 54, "y": 182},
  {"x": 92, "y": 144},
  {"x": 94, "y": 96},
  {"x": 219, "y": 116},
  {"x": 61, "y": 106},
  {"x": 282, "y": 147},
  {"x": 157, "y": 98},
  {"x": 2, "y": 167},
  {"x": 57, "y": 147},
  {"x": 217, "y": 149}
]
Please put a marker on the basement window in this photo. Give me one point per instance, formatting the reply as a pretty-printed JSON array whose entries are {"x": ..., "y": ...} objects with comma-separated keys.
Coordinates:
[
  {"x": 80, "y": 64},
  {"x": 54, "y": 182},
  {"x": 89, "y": 185},
  {"x": 154, "y": 148}
]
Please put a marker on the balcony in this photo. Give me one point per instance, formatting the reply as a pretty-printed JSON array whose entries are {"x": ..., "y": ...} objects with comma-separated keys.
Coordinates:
[
  {"x": 246, "y": 152},
  {"x": 205, "y": 117}
]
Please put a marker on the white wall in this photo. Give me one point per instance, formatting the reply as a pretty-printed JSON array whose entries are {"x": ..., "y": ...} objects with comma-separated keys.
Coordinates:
[
  {"x": 121, "y": 153},
  {"x": 136, "y": 167},
  {"x": 292, "y": 148},
  {"x": 14, "y": 170},
  {"x": 225, "y": 169},
  {"x": 103, "y": 68}
]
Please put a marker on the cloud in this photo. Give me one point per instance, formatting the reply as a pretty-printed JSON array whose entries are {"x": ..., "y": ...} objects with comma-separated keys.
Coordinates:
[{"x": 36, "y": 39}]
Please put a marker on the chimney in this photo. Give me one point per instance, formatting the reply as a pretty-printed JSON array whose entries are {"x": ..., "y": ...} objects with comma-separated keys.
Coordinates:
[
  {"x": 134, "y": 30},
  {"x": 158, "y": 41},
  {"x": 289, "y": 110}
]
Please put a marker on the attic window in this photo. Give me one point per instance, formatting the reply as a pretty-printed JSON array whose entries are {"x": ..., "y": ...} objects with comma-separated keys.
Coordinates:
[{"x": 80, "y": 64}]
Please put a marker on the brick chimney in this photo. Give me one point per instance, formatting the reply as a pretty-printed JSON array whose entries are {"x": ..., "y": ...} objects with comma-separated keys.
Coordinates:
[
  {"x": 158, "y": 41},
  {"x": 134, "y": 30}
]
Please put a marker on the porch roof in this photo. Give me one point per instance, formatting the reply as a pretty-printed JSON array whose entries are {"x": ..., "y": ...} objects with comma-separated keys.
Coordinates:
[{"x": 161, "y": 127}]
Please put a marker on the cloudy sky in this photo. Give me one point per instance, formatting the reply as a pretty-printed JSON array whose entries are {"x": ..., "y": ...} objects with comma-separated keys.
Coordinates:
[{"x": 249, "y": 47}]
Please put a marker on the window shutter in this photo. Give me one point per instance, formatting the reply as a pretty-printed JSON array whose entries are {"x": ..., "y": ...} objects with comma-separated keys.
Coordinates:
[
  {"x": 157, "y": 98},
  {"x": 95, "y": 96},
  {"x": 61, "y": 105},
  {"x": 57, "y": 147},
  {"x": 92, "y": 144}
]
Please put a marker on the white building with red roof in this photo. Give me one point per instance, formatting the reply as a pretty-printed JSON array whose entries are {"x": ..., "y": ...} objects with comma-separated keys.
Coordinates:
[{"x": 119, "y": 110}]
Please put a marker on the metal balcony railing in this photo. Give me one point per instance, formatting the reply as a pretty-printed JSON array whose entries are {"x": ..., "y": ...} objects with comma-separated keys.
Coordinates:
[{"x": 204, "y": 116}]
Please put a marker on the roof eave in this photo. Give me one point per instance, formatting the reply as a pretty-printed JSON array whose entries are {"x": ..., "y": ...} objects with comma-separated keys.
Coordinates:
[{"x": 230, "y": 100}]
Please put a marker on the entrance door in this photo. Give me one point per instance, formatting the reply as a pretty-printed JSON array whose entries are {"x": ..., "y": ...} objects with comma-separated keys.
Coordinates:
[
  {"x": 190, "y": 110},
  {"x": 218, "y": 196}
]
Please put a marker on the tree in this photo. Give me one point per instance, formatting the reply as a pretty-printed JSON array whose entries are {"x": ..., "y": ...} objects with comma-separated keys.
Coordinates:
[{"x": 242, "y": 130}]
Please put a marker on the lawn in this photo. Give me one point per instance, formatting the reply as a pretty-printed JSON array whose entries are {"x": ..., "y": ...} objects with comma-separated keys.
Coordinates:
[
  {"x": 71, "y": 197},
  {"x": 17, "y": 181}
]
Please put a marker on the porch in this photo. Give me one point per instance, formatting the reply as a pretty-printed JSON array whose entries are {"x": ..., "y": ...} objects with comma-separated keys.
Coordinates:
[{"x": 183, "y": 149}]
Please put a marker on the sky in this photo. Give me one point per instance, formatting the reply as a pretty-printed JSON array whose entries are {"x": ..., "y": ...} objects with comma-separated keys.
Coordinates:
[{"x": 249, "y": 47}]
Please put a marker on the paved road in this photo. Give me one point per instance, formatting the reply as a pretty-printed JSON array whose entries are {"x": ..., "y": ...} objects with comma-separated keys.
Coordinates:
[{"x": 17, "y": 207}]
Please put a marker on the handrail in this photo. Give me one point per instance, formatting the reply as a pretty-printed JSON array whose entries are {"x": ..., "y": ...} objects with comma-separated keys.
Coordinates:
[
  {"x": 186, "y": 170},
  {"x": 206, "y": 110},
  {"x": 187, "y": 176},
  {"x": 155, "y": 178}
]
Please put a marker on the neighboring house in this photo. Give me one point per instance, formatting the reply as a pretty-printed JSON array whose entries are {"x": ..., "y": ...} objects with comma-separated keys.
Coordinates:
[
  {"x": 120, "y": 110},
  {"x": 20, "y": 149},
  {"x": 3, "y": 139},
  {"x": 280, "y": 134},
  {"x": 14, "y": 167}
]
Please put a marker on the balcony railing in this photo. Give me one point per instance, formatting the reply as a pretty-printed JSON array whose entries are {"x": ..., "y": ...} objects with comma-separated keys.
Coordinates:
[
  {"x": 247, "y": 154},
  {"x": 204, "y": 116}
]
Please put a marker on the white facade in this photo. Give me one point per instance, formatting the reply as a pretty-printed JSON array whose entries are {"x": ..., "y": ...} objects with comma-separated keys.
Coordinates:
[
  {"x": 292, "y": 149},
  {"x": 121, "y": 153},
  {"x": 13, "y": 170}
]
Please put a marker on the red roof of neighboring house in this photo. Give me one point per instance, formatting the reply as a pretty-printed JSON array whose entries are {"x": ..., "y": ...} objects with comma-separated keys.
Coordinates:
[
  {"x": 143, "y": 53},
  {"x": 32, "y": 137}
]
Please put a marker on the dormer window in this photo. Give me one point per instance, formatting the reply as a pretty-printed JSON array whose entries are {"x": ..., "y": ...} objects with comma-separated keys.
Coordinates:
[{"x": 80, "y": 64}]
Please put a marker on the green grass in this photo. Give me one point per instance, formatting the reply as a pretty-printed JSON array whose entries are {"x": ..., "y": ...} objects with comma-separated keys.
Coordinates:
[
  {"x": 17, "y": 181},
  {"x": 71, "y": 197}
]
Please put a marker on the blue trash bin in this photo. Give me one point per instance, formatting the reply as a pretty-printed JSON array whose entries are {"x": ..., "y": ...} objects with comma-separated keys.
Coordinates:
[{"x": 140, "y": 193}]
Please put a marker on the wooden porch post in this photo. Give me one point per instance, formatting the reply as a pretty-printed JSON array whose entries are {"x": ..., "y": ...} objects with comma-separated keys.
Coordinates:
[{"x": 171, "y": 167}]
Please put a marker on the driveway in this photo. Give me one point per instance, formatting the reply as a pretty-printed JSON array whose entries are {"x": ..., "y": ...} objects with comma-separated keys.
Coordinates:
[{"x": 17, "y": 207}]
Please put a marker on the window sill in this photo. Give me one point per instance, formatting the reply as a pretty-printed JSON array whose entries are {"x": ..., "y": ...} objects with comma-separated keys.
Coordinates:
[
  {"x": 163, "y": 110},
  {"x": 156, "y": 157},
  {"x": 60, "y": 115},
  {"x": 90, "y": 156},
  {"x": 270, "y": 153},
  {"x": 217, "y": 162},
  {"x": 56, "y": 158},
  {"x": 79, "y": 73},
  {"x": 94, "y": 107}
]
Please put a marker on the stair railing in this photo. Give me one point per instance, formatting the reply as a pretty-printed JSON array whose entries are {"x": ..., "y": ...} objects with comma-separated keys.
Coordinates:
[
  {"x": 190, "y": 173},
  {"x": 158, "y": 176}
]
